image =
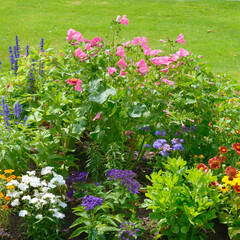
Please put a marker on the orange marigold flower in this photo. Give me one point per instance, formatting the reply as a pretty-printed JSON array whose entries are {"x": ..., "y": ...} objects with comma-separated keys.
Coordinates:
[
  {"x": 9, "y": 171},
  {"x": 237, "y": 188},
  {"x": 237, "y": 131},
  {"x": 1, "y": 195},
  {"x": 223, "y": 149},
  {"x": 203, "y": 167},
  {"x": 2, "y": 176},
  {"x": 19, "y": 177},
  {"x": 7, "y": 198},
  {"x": 214, "y": 163},
  {"x": 195, "y": 156},
  {"x": 10, "y": 187},
  {"x": 229, "y": 134},
  {"x": 5, "y": 207},
  {"x": 201, "y": 156}
]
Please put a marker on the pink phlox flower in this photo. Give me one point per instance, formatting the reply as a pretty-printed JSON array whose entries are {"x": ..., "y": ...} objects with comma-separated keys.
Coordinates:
[
  {"x": 120, "y": 52},
  {"x": 174, "y": 57},
  {"x": 162, "y": 41},
  {"x": 79, "y": 53},
  {"x": 72, "y": 34},
  {"x": 168, "y": 82},
  {"x": 157, "y": 83},
  {"x": 88, "y": 46},
  {"x": 161, "y": 60},
  {"x": 107, "y": 52},
  {"x": 180, "y": 39},
  {"x": 147, "y": 50},
  {"x": 164, "y": 70},
  {"x": 142, "y": 67},
  {"x": 155, "y": 52},
  {"x": 143, "y": 41},
  {"x": 98, "y": 116},
  {"x": 124, "y": 20},
  {"x": 121, "y": 63},
  {"x": 136, "y": 41},
  {"x": 122, "y": 73},
  {"x": 96, "y": 41},
  {"x": 182, "y": 52},
  {"x": 111, "y": 70},
  {"x": 126, "y": 43}
]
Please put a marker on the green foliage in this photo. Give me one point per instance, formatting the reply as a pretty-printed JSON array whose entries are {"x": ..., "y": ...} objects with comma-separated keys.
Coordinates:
[{"x": 182, "y": 201}]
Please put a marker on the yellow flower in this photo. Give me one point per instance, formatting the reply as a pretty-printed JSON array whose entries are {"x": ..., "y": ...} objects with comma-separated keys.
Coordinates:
[
  {"x": 9, "y": 171},
  {"x": 10, "y": 187},
  {"x": 5, "y": 207},
  {"x": 201, "y": 156},
  {"x": 1, "y": 195},
  {"x": 229, "y": 180},
  {"x": 2, "y": 176},
  {"x": 224, "y": 188},
  {"x": 19, "y": 177}
]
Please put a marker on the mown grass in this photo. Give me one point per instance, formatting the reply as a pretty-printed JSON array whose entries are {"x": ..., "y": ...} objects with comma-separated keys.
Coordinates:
[{"x": 33, "y": 19}]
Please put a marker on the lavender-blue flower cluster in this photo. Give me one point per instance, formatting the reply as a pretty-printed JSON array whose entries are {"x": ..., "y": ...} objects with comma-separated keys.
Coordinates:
[
  {"x": 126, "y": 178},
  {"x": 161, "y": 144},
  {"x": 128, "y": 231},
  {"x": 90, "y": 202}
]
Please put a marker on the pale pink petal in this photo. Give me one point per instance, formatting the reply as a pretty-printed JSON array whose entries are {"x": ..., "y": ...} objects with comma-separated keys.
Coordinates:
[
  {"x": 120, "y": 52},
  {"x": 162, "y": 41},
  {"x": 124, "y": 20},
  {"x": 78, "y": 88},
  {"x": 98, "y": 116}
]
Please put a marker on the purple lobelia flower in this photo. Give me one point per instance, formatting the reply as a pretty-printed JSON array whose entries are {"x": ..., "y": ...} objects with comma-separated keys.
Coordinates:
[
  {"x": 147, "y": 145},
  {"x": 145, "y": 128},
  {"x": 17, "y": 110},
  {"x": 77, "y": 177},
  {"x": 12, "y": 60},
  {"x": 159, "y": 143},
  {"x": 90, "y": 202},
  {"x": 6, "y": 113},
  {"x": 128, "y": 230},
  {"x": 126, "y": 178},
  {"x": 42, "y": 44},
  {"x": 27, "y": 50}
]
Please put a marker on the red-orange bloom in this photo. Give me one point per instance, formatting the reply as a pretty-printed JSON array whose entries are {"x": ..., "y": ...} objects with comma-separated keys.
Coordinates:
[
  {"x": 237, "y": 188},
  {"x": 203, "y": 167},
  {"x": 237, "y": 131},
  {"x": 215, "y": 183},
  {"x": 231, "y": 171},
  {"x": 236, "y": 146},
  {"x": 214, "y": 163},
  {"x": 223, "y": 149}
]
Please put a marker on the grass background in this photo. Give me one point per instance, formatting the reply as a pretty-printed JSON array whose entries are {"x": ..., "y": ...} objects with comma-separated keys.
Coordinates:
[{"x": 33, "y": 19}]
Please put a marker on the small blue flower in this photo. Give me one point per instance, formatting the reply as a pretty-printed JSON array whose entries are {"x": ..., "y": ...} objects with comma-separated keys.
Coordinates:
[
  {"x": 157, "y": 133},
  {"x": 147, "y": 145}
]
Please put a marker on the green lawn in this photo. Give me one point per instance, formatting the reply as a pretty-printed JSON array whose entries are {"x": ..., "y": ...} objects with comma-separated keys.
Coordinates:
[{"x": 33, "y": 19}]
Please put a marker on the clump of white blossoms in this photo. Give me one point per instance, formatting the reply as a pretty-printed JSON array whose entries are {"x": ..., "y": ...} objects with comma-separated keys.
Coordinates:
[{"x": 39, "y": 195}]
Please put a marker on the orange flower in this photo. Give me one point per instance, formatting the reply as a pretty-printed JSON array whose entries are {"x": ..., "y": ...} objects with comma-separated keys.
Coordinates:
[
  {"x": 223, "y": 149},
  {"x": 195, "y": 156},
  {"x": 5, "y": 207},
  {"x": 231, "y": 171},
  {"x": 237, "y": 131},
  {"x": 229, "y": 134},
  {"x": 2, "y": 176},
  {"x": 1, "y": 195},
  {"x": 203, "y": 167},
  {"x": 10, "y": 187},
  {"x": 237, "y": 188},
  {"x": 7, "y": 198},
  {"x": 236, "y": 146},
  {"x": 201, "y": 156},
  {"x": 214, "y": 163}
]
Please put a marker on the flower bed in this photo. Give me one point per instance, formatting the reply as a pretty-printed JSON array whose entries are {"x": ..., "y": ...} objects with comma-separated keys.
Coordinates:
[{"x": 78, "y": 123}]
